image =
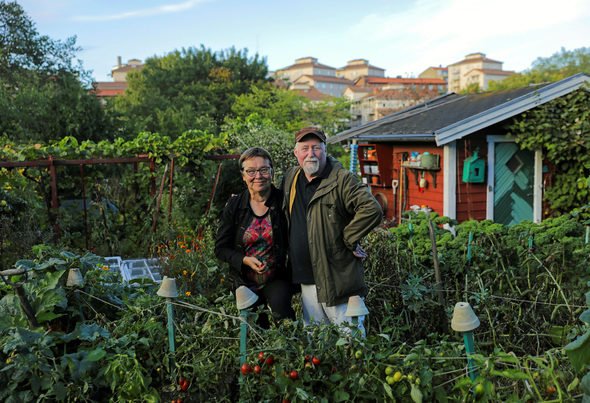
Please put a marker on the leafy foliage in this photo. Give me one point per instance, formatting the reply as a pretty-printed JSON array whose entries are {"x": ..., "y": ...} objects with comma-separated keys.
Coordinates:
[
  {"x": 548, "y": 69},
  {"x": 560, "y": 128},
  {"x": 187, "y": 89},
  {"x": 42, "y": 94}
]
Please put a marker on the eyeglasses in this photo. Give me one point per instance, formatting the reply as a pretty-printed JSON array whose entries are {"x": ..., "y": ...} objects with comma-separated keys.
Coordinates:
[{"x": 264, "y": 171}]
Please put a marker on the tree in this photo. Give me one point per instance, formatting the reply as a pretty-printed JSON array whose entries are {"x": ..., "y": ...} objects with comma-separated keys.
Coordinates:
[
  {"x": 42, "y": 94},
  {"x": 289, "y": 111},
  {"x": 187, "y": 89},
  {"x": 285, "y": 109},
  {"x": 548, "y": 69}
]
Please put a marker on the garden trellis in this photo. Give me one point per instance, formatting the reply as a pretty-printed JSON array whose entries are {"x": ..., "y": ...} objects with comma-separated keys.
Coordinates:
[{"x": 51, "y": 164}]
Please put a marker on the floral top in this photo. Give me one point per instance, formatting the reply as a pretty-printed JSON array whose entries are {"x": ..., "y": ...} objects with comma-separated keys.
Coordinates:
[{"x": 258, "y": 242}]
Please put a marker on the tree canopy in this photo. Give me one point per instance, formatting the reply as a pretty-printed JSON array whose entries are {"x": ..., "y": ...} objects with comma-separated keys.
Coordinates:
[
  {"x": 42, "y": 95},
  {"x": 560, "y": 65},
  {"x": 187, "y": 89}
]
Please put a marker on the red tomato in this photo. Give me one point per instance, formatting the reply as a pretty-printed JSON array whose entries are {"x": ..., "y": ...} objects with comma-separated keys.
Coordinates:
[
  {"x": 307, "y": 358},
  {"x": 316, "y": 361},
  {"x": 185, "y": 385},
  {"x": 270, "y": 360},
  {"x": 181, "y": 400},
  {"x": 180, "y": 381},
  {"x": 294, "y": 375},
  {"x": 246, "y": 369},
  {"x": 257, "y": 369}
]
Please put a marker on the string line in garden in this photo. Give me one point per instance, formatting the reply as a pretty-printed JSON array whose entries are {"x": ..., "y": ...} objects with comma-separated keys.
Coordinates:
[
  {"x": 100, "y": 299},
  {"x": 198, "y": 308},
  {"x": 493, "y": 296}
]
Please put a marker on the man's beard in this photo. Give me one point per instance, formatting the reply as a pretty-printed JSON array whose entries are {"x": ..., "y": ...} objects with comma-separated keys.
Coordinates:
[{"x": 311, "y": 165}]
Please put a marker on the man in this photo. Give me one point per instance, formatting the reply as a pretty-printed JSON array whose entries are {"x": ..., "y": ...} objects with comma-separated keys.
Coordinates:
[{"x": 329, "y": 211}]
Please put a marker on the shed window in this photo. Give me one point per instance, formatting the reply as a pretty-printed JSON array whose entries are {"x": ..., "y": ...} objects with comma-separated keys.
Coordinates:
[{"x": 514, "y": 164}]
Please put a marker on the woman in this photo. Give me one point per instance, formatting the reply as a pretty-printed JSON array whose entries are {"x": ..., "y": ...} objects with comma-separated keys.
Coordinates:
[{"x": 252, "y": 236}]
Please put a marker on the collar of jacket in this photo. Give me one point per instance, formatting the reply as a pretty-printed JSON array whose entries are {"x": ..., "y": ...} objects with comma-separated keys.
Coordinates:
[{"x": 245, "y": 201}]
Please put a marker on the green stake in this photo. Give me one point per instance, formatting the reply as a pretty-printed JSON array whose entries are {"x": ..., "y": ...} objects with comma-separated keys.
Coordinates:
[
  {"x": 465, "y": 321},
  {"x": 168, "y": 290},
  {"x": 170, "y": 310},
  {"x": 243, "y": 335}
]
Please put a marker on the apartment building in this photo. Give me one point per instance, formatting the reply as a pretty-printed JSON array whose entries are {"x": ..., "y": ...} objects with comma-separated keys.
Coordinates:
[
  {"x": 357, "y": 68},
  {"x": 107, "y": 89},
  {"x": 476, "y": 68},
  {"x": 386, "y": 101},
  {"x": 435, "y": 72}
]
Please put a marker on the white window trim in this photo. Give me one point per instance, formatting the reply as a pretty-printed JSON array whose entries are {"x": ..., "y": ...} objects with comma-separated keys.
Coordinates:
[{"x": 537, "y": 179}]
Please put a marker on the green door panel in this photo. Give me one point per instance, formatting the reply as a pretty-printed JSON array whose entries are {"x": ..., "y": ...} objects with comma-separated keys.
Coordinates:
[{"x": 513, "y": 184}]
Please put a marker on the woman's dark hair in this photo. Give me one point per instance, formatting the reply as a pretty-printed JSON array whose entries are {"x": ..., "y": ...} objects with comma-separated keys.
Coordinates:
[{"x": 254, "y": 152}]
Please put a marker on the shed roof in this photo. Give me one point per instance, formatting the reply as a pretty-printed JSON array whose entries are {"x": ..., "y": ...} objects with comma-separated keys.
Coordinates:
[{"x": 453, "y": 116}]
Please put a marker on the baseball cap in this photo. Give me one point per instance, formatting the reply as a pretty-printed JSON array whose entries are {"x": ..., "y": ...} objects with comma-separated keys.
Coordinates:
[{"x": 319, "y": 133}]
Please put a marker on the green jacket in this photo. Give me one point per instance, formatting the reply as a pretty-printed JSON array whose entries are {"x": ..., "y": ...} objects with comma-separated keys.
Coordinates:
[{"x": 341, "y": 212}]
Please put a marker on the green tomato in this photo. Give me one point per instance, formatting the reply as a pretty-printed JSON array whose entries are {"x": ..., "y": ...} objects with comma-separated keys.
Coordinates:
[
  {"x": 358, "y": 354},
  {"x": 389, "y": 370},
  {"x": 479, "y": 390},
  {"x": 389, "y": 379}
]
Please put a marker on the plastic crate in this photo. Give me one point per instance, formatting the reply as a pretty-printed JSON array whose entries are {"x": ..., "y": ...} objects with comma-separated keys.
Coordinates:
[{"x": 133, "y": 269}]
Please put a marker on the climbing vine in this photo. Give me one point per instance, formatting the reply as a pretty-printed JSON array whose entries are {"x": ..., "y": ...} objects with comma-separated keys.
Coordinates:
[{"x": 561, "y": 128}]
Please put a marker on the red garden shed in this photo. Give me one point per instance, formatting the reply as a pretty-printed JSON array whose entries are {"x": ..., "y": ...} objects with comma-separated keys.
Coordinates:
[{"x": 453, "y": 154}]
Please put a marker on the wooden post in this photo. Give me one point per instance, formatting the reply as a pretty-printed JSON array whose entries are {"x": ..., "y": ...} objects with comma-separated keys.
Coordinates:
[
  {"x": 439, "y": 287},
  {"x": 159, "y": 199},
  {"x": 152, "y": 177},
  {"x": 170, "y": 193},
  {"x": 84, "y": 203},
  {"x": 54, "y": 201}
]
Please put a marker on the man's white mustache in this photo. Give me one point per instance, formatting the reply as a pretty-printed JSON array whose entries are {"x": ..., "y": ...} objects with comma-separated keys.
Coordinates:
[{"x": 311, "y": 159}]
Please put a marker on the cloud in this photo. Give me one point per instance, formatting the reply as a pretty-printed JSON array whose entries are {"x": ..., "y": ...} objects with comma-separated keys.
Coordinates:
[
  {"x": 424, "y": 32},
  {"x": 429, "y": 22},
  {"x": 148, "y": 12}
]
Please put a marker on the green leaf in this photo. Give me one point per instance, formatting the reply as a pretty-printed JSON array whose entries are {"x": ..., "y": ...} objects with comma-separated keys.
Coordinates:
[
  {"x": 60, "y": 391},
  {"x": 585, "y": 384},
  {"x": 558, "y": 334},
  {"x": 463, "y": 382},
  {"x": 335, "y": 378},
  {"x": 25, "y": 263},
  {"x": 341, "y": 396},
  {"x": 578, "y": 351},
  {"x": 585, "y": 316},
  {"x": 416, "y": 394},
  {"x": 341, "y": 341},
  {"x": 96, "y": 355},
  {"x": 388, "y": 390}
]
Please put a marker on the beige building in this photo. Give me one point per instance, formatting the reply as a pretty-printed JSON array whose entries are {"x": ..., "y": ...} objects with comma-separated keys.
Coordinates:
[
  {"x": 476, "y": 68},
  {"x": 305, "y": 66},
  {"x": 382, "y": 102},
  {"x": 119, "y": 72},
  {"x": 435, "y": 72},
  {"x": 333, "y": 86},
  {"x": 106, "y": 89},
  {"x": 357, "y": 68}
]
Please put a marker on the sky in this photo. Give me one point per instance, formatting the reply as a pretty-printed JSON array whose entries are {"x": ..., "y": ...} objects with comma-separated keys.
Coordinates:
[{"x": 404, "y": 37}]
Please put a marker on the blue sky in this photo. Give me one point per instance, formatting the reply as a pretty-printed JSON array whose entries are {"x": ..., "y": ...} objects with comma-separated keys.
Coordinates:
[{"x": 403, "y": 37}]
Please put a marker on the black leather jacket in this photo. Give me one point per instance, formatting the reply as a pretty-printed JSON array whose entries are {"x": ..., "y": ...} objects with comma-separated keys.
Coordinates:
[{"x": 235, "y": 219}]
